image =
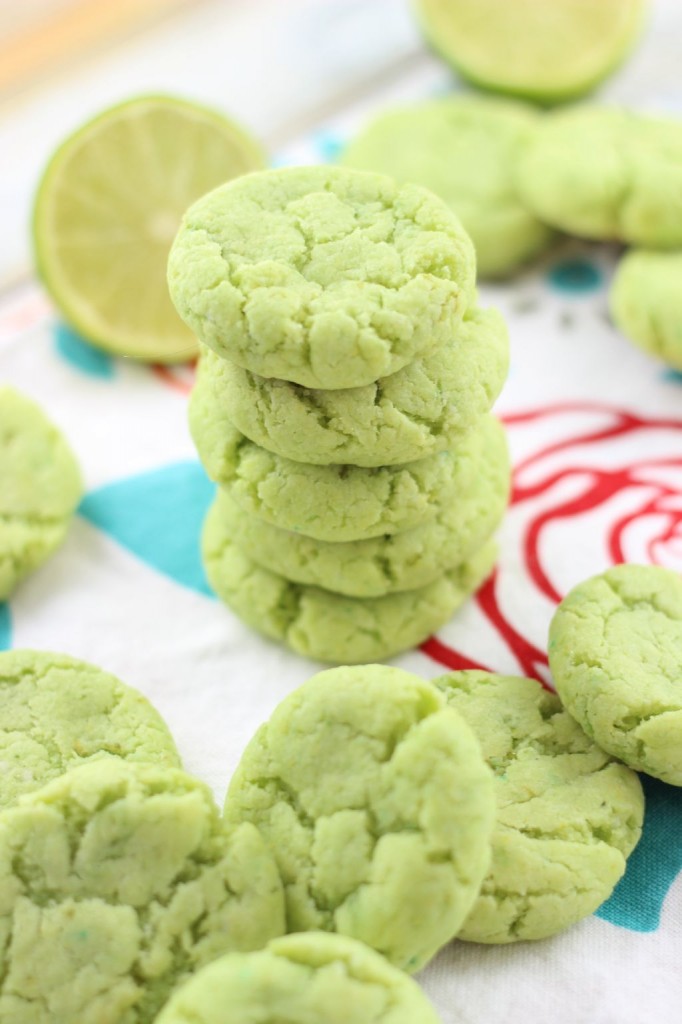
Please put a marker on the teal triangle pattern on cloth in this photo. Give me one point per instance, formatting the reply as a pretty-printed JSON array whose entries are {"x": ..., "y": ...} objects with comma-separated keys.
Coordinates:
[
  {"x": 158, "y": 516},
  {"x": 637, "y": 900},
  {"x": 5, "y": 627}
]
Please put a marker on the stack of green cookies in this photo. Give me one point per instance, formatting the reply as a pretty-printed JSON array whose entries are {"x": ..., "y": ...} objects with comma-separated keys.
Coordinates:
[{"x": 343, "y": 406}]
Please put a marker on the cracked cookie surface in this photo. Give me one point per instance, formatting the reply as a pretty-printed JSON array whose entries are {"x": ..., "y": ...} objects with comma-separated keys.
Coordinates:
[
  {"x": 646, "y": 302},
  {"x": 57, "y": 712},
  {"x": 117, "y": 881},
  {"x": 335, "y": 503},
  {"x": 330, "y": 627},
  {"x": 384, "y": 565},
  {"x": 615, "y": 651},
  {"x": 419, "y": 411},
  {"x": 377, "y": 805},
  {"x": 314, "y": 977},
  {"x": 40, "y": 488},
  {"x": 324, "y": 276},
  {"x": 609, "y": 173},
  {"x": 568, "y": 816},
  {"x": 465, "y": 149}
]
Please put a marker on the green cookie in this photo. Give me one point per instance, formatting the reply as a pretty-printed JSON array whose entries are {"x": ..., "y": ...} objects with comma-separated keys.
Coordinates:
[
  {"x": 326, "y": 626},
  {"x": 615, "y": 651},
  {"x": 335, "y": 503},
  {"x": 39, "y": 490},
  {"x": 383, "y": 565},
  {"x": 646, "y": 302},
  {"x": 546, "y": 50},
  {"x": 567, "y": 815},
  {"x": 57, "y": 712},
  {"x": 377, "y": 805},
  {"x": 311, "y": 978},
  {"x": 118, "y": 881},
  {"x": 327, "y": 277},
  {"x": 419, "y": 411},
  {"x": 603, "y": 172},
  {"x": 465, "y": 149}
]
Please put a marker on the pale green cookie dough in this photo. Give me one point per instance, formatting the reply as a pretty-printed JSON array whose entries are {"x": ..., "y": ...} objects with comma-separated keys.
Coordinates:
[
  {"x": 40, "y": 486},
  {"x": 326, "y": 626},
  {"x": 567, "y": 815},
  {"x": 334, "y": 503},
  {"x": 465, "y": 149},
  {"x": 604, "y": 172},
  {"x": 615, "y": 651},
  {"x": 383, "y": 565},
  {"x": 118, "y": 881},
  {"x": 310, "y": 978},
  {"x": 419, "y": 411},
  {"x": 57, "y": 713},
  {"x": 377, "y": 805},
  {"x": 546, "y": 50},
  {"x": 324, "y": 276},
  {"x": 646, "y": 302}
]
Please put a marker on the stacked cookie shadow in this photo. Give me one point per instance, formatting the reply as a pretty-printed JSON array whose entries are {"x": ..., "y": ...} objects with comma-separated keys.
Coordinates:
[{"x": 342, "y": 404}]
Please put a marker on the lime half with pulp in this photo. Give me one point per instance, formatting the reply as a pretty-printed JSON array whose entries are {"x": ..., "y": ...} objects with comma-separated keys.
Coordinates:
[
  {"x": 107, "y": 209},
  {"x": 544, "y": 50}
]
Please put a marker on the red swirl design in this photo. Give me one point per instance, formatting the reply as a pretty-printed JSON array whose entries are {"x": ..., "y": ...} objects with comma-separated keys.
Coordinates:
[{"x": 623, "y": 476}]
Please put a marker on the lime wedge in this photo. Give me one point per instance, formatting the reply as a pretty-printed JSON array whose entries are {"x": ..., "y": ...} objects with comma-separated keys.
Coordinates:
[
  {"x": 108, "y": 207},
  {"x": 545, "y": 50}
]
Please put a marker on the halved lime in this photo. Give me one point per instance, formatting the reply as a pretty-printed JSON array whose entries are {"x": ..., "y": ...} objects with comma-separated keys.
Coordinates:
[
  {"x": 545, "y": 50},
  {"x": 107, "y": 209}
]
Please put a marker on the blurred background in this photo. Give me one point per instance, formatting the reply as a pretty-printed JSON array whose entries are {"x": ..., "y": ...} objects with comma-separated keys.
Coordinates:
[{"x": 285, "y": 68}]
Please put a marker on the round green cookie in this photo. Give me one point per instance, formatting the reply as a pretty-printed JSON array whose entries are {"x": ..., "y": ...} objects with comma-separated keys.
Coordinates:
[
  {"x": 324, "y": 276},
  {"x": 377, "y": 805},
  {"x": 383, "y": 565},
  {"x": 419, "y": 411},
  {"x": 313, "y": 977},
  {"x": 334, "y": 503},
  {"x": 40, "y": 486},
  {"x": 546, "y": 50},
  {"x": 646, "y": 302},
  {"x": 57, "y": 713},
  {"x": 603, "y": 172},
  {"x": 118, "y": 881},
  {"x": 567, "y": 815},
  {"x": 615, "y": 651},
  {"x": 327, "y": 626},
  {"x": 465, "y": 149}
]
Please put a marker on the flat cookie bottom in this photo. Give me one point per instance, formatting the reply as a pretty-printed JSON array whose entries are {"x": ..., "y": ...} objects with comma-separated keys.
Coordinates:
[
  {"x": 327, "y": 626},
  {"x": 384, "y": 565}
]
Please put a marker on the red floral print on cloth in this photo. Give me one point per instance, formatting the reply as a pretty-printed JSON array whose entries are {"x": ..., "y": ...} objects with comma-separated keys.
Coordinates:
[{"x": 594, "y": 485}]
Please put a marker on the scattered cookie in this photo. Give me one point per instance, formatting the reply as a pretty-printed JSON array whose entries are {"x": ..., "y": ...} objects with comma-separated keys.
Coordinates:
[
  {"x": 313, "y": 977},
  {"x": 377, "y": 805},
  {"x": 604, "y": 172},
  {"x": 646, "y": 302},
  {"x": 615, "y": 651},
  {"x": 324, "y": 276},
  {"x": 41, "y": 486},
  {"x": 118, "y": 881},
  {"x": 465, "y": 149},
  {"x": 57, "y": 712},
  {"x": 335, "y": 503},
  {"x": 383, "y": 565},
  {"x": 567, "y": 815},
  {"x": 419, "y": 411},
  {"x": 327, "y": 626}
]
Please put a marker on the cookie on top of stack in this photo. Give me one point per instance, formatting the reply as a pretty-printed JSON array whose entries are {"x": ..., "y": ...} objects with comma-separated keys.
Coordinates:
[{"x": 343, "y": 405}]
